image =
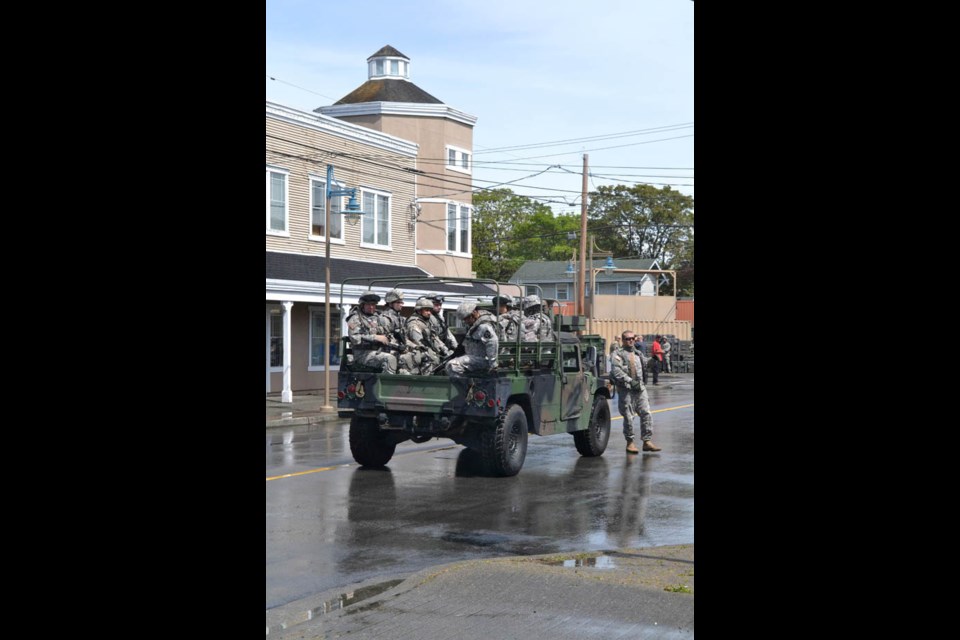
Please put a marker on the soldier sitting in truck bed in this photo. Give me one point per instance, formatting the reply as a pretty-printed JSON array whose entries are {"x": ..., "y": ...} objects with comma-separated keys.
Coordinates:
[
  {"x": 424, "y": 345},
  {"x": 479, "y": 343},
  {"x": 369, "y": 336}
]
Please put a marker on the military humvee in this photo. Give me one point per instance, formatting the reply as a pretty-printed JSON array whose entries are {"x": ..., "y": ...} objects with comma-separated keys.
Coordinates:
[{"x": 541, "y": 388}]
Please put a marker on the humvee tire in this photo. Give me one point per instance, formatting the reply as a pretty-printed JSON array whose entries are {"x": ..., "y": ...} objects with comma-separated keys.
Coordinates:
[
  {"x": 369, "y": 447},
  {"x": 503, "y": 445},
  {"x": 593, "y": 440}
]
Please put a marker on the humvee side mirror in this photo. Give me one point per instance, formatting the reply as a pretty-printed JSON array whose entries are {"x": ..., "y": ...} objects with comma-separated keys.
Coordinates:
[{"x": 591, "y": 359}]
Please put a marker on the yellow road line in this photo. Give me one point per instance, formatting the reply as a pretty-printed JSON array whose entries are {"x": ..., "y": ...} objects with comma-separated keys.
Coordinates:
[{"x": 340, "y": 466}]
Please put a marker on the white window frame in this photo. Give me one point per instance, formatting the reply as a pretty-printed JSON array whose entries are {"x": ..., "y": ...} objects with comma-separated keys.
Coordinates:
[
  {"x": 285, "y": 232},
  {"x": 566, "y": 291},
  {"x": 374, "y": 216},
  {"x": 459, "y": 159},
  {"x": 337, "y": 205},
  {"x": 336, "y": 327},
  {"x": 276, "y": 312},
  {"x": 463, "y": 216}
]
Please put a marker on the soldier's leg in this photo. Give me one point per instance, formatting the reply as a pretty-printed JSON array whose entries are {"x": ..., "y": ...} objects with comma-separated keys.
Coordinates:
[
  {"x": 646, "y": 418},
  {"x": 406, "y": 364},
  {"x": 625, "y": 404},
  {"x": 388, "y": 362}
]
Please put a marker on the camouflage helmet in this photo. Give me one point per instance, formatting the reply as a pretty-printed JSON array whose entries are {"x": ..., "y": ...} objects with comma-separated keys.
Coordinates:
[
  {"x": 502, "y": 301},
  {"x": 393, "y": 295},
  {"x": 436, "y": 297},
  {"x": 369, "y": 298},
  {"x": 423, "y": 303},
  {"x": 531, "y": 301},
  {"x": 465, "y": 309}
]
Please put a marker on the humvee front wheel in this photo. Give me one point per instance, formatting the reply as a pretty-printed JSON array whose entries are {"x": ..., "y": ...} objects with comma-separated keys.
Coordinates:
[
  {"x": 369, "y": 446},
  {"x": 592, "y": 441},
  {"x": 503, "y": 445}
]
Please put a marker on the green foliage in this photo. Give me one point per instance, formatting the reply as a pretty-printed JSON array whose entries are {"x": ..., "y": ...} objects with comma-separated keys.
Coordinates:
[
  {"x": 509, "y": 230},
  {"x": 639, "y": 221},
  {"x": 646, "y": 222}
]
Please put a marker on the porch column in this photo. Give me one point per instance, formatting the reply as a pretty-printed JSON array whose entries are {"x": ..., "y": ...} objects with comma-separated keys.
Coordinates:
[{"x": 286, "y": 395}]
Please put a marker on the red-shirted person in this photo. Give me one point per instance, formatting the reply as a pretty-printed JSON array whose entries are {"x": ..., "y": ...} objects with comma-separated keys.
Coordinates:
[{"x": 656, "y": 353}]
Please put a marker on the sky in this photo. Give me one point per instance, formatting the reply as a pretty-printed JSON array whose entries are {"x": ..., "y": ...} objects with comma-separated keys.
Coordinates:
[{"x": 548, "y": 81}]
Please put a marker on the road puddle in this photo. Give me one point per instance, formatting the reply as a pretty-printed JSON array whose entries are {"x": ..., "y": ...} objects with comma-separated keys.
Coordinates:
[{"x": 596, "y": 562}]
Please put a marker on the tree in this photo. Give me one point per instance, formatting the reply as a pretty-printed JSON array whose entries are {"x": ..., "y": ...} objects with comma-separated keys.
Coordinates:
[
  {"x": 509, "y": 230},
  {"x": 646, "y": 222}
]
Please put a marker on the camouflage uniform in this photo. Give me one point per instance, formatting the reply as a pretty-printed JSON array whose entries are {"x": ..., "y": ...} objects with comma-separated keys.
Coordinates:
[
  {"x": 536, "y": 324},
  {"x": 479, "y": 345},
  {"x": 632, "y": 402},
  {"x": 366, "y": 350},
  {"x": 424, "y": 345},
  {"x": 510, "y": 320},
  {"x": 440, "y": 328},
  {"x": 392, "y": 319}
]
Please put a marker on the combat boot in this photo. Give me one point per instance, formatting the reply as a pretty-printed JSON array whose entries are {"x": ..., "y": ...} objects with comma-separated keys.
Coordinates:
[
  {"x": 632, "y": 448},
  {"x": 649, "y": 446}
]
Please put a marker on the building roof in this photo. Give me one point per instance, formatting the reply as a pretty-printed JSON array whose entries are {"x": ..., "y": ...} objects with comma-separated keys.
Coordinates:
[
  {"x": 304, "y": 268},
  {"x": 387, "y": 50},
  {"x": 556, "y": 271},
  {"x": 388, "y": 90}
]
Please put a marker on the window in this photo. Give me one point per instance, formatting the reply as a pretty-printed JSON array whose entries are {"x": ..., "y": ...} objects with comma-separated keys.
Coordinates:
[
  {"x": 317, "y": 342},
  {"x": 394, "y": 67},
  {"x": 615, "y": 288},
  {"x": 571, "y": 359},
  {"x": 563, "y": 291},
  {"x": 376, "y": 219},
  {"x": 318, "y": 213},
  {"x": 276, "y": 338},
  {"x": 458, "y": 227},
  {"x": 379, "y": 68},
  {"x": 276, "y": 201},
  {"x": 458, "y": 159}
]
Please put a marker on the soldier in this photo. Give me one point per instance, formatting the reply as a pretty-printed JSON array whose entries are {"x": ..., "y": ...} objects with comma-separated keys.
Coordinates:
[
  {"x": 536, "y": 324},
  {"x": 424, "y": 353},
  {"x": 510, "y": 320},
  {"x": 479, "y": 344},
  {"x": 439, "y": 325},
  {"x": 392, "y": 319},
  {"x": 369, "y": 337},
  {"x": 626, "y": 369}
]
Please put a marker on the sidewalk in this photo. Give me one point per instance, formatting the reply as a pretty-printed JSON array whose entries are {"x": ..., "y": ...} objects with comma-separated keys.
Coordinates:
[
  {"x": 306, "y": 408},
  {"x": 628, "y": 593}
]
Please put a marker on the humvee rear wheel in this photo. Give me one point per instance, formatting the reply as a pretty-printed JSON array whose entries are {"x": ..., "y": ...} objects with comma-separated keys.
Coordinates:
[
  {"x": 592, "y": 441},
  {"x": 503, "y": 445},
  {"x": 369, "y": 446}
]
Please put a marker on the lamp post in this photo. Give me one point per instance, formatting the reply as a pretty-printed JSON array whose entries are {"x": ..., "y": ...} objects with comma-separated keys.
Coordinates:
[
  {"x": 352, "y": 214},
  {"x": 608, "y": 268}
]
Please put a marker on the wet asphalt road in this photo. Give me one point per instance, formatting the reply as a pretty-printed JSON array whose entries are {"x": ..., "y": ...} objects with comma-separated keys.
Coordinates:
[{"x": 331, "y": 523}]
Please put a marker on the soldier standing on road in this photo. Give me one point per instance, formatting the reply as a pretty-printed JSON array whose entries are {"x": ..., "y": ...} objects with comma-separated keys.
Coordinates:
[
  {"x": 510, "y": 320},
  {"x": 423, "y": 356},
  {"x": 626, "y": 369},
  {"x": 479, "y": 344},
  {"x": 440, "y": 328},
  {"x": 369, "y": 336},
  {"x": 665, "y": 343},
  {"x": 536, "y": 324}
]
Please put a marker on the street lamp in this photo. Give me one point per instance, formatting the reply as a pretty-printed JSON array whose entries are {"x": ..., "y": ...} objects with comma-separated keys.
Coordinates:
[
  {"x": 352, "y": 214},
  {"x": 608, "y": 268}
]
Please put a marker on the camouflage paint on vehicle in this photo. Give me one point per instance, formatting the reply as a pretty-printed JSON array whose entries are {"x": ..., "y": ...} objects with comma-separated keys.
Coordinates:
[{"x": 557, "y": 384}]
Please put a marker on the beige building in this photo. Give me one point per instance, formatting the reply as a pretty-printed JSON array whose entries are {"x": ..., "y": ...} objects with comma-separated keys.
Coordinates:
[
  {"x": 389, "y": 102},
  {"x": 406, "y": 160}
]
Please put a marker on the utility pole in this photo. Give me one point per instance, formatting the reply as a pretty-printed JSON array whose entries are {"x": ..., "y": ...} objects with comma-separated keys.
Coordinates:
[{"x": 583, "y": 240}]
